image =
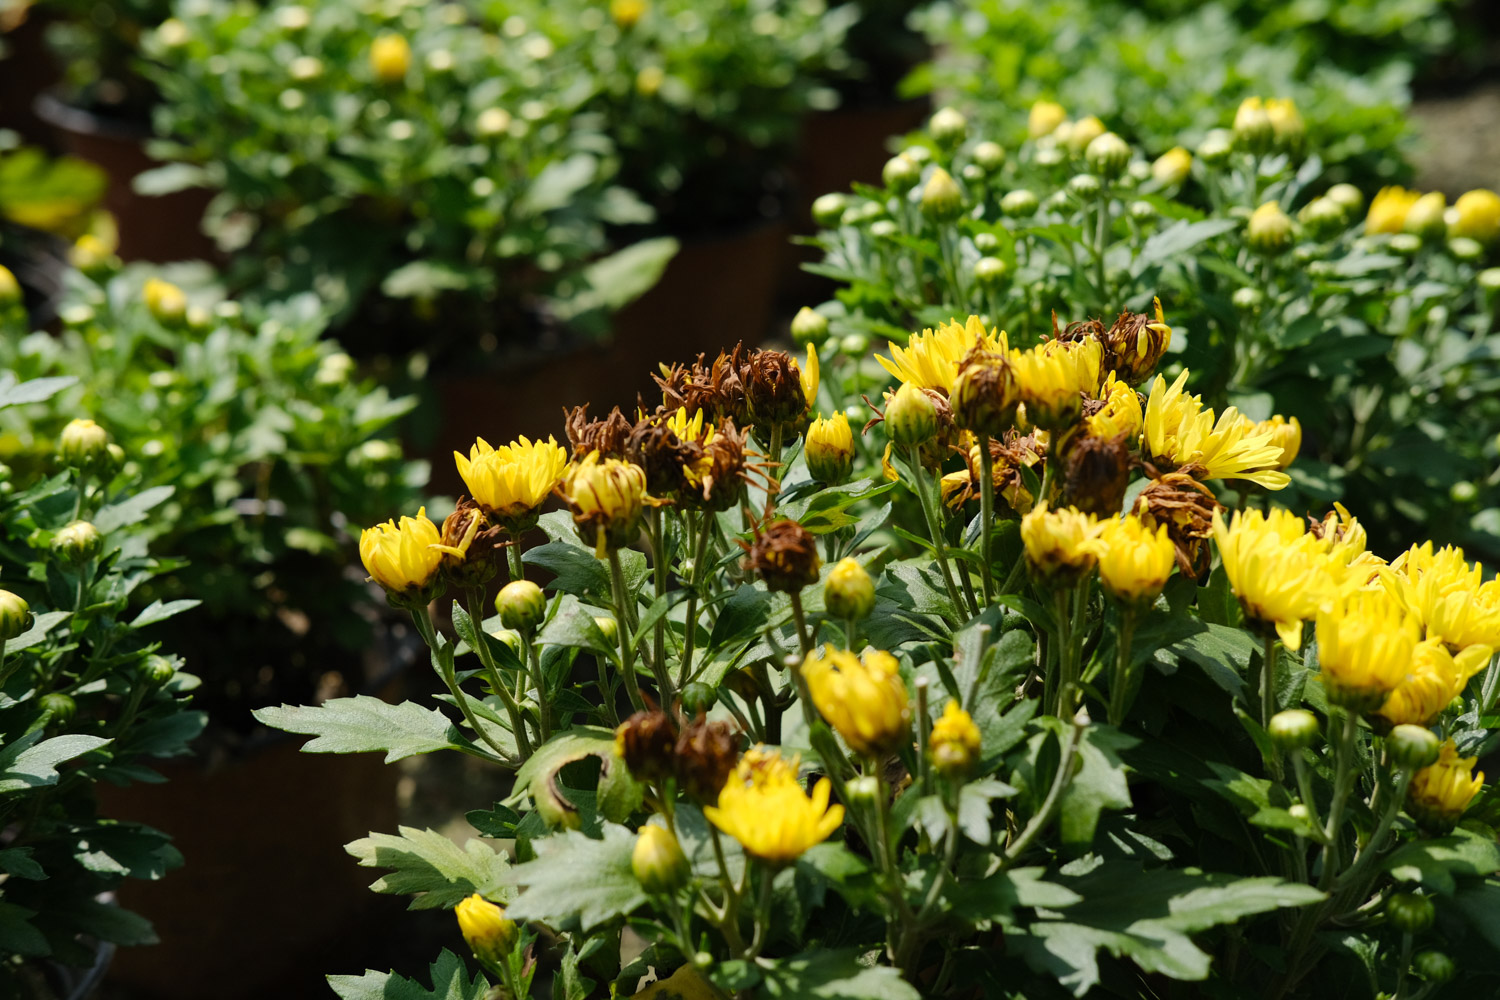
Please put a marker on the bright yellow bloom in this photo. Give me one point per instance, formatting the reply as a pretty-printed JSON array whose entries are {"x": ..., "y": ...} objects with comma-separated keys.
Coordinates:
[
  {"x": 402, "y": 559},
  {"x": 1286, "y": 120},
  {"x": 164, "y": 300},
  {"x": 829, "y": 449},
  {"x": 1446, "y": 594},
  {"x": 930, "y": 359},
  {"x": 863, "y": 697},
  {"x": 1365, "y": 645},
  {"x": 849, "y": 592},
  {"x": 809, "y": 375},
  {"x": 1134, "y": 560},
  {"x": 1279, "y": 571},
  {"x": 954, "y": 744},
  {"x": 510, "y": 482},
  {"x": 1344, "y": 538},
  {"x": 1180, "y": 431},
  {"x": 1121, "y": 413},
  {"x": 1286, "y": 434},
  {"x": 1053, "y": 377},
  {"x": 690, "y": 428},
  {"x": 1061, "y": 545},
  {"x": 1172, "y": 167},
  {"x": 1044, "y": 118},
  {"x": 1477, "y": 216},
  {"x": 390, "y": 58},
  {"x": 607, "y": 498},
  {"x": 1388, "y": 210},
  {"x": 490, "y": 933},
  {"x": 1433, "y": 679},
  {"x": 1439, "y": 794},
  {"x": 764, "y": 808},
  {"x": 626, "y": 13}
]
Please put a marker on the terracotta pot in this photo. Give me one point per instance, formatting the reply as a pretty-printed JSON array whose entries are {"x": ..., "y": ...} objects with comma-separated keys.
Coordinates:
[
  {"x": 715, "y": 292},
  {"x": 157, "y": 229}
]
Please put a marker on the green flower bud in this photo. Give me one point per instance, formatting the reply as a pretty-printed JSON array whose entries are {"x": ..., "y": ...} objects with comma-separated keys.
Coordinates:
[
  {"x": 1426, "y": 218},
  {"x": 849, "y": 593},
  {"x": 1323, "y": 217},
  {"x": 1466, "y": 249},
  {"x": 911, "y": 416},
  {"x": 62, "y": 707},
  {"x": 1142, "y": 211},
  {"x": 917, "y": 154},
  {"x": 828, "y": 209},
  {"x": 901, "y": 172},
  {"x": 1108, "y": 155},
  {"x": 1412, "y": 747},
  {"x": 1433, "y": 966},
  {"x": 942, "y": 201},
  {"x": 1406, "y": 244},
  {"x": 1346, "y": 196},
  {"x": 78, "y": 542},
  {"x": 112, "y": 462},
  {"x": 15, "y": 615},
  {"x": 1409, "y": 912},
  {"x": 658, "y": 862},
  {"x": 1489, "y": 279},
  {"x": 698, "y": 698},
  {"x": 1299, "y": 811},
  {"x": 854, "y": 344},
  {"x": 1084, "y": 185},
  {"x": 1463, "y": 491},
  {"x": 155, "y": 670},
  {"x": 884, "y": 229},
  {"x": 1019, "y": 204},
  {"x": 989, "y": 156},
  {"x": 989, "y": 271},
  {"x": 165, "y": 301},
  {"x": 862, "y": 213},
  {"x": 986, "y": 243},
  {"x": 82, "y": 444},
  {"x": 521, "y": 605},
  {"x": 1050, "y": 156},
  {"x": 864, "y": 790},
  {"x": 10, "y": 288},
  {"x": 972, "y": 172},
  {"x": 1270, "y": 230},
  {"x": 1253, "y": 128},
  {"x": 1293, "y": 729},
  {"x": 948, "y": 127},
  {"x": 809, "y": 327},
  {"x": 1215, "y": 147},
  {"x": 608, "y": 627}
]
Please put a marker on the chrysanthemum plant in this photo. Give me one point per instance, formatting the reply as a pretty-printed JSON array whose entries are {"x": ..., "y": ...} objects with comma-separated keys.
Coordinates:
[
  {"x": 991, "y": 693},
  {"x": 1374, "y": 328}
]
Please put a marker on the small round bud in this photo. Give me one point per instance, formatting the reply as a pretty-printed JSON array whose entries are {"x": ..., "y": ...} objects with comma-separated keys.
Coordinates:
[
  {"x": 1426, "y": 218},
  {"x": 948, "y": 127},
  {"x": 942, "y": 201},
  {"x": 15, "y": 615},
  {"x": 1489, "y": 279},
  {"x": 698, "y": 698},
  {"x": 1172, "y": 167},
  {"x": 1410, "y": 913},
  {"x": 1293, "y": 729},
  {"x": 155, "y": 670},
  {"x": 165, "y": 302},
  {"x": 10, "y": 289},
  {"x": 1433, "y": 966},
  {"x": 61, "y": 706},
  {"x": 492, "y": 122},
  {"x": 1323, "y": 217},
  {"x": 989, "y": 156},
  {"x": 901, "y": 172},
  {"x": 972, "y": 172},
  {"x": 1083, "y": 132},
  {"x": 78, "y": 542},
  {"x": 1248, "y": 300},
  {"x": 1466, "y": 249},
  {"x": 1019, "y": 204},
  {"x": 911, "y": 417},
  {"x": 1346, "y": 196},
  {"x": 849, "y": 593},
  {"x": 608, "y": 627},
  {"x": 92, "y": 256},
  {"x": 521, "y": 605},
  {"x": 1216, "y": 147},
  {"x": 989, "y": 271},
  {"x": 1084, "y": 185},
  {"x": 1270, "y": 230},
  {"x": 489, "y": 933},
  {"x": 809, "y": 327},
  {"x": 1108, "y": 155},
  {"x": 1298, "y": 811},
  {"x": 1050, "y": 156},
  {"x": 658, "y": 862},
  {"x": 1142, "y": 211},
  {"x": 917, "y": 154},
  {"x": 1412, "y": 747},
  {"x": 1044, "y": 118},
  {"x": 854, "y": 344},
  {"x": 986, "y": 243},
  {"x": 1253, "y": 128},
  {"x": 82, "y": 444},
  {"x": 862, "y": 213},
  {"x": 828, "y": 209},
  {"x": 864, "y": 790},
  {"x": 884, "y": 229},
  {"x": 1406, "y": 244},
  {"x": 1463, "y": 492},
  {"x": 390, "y": 58}
]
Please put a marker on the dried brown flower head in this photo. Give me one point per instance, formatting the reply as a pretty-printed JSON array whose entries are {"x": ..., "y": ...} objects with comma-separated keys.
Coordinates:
[
  {"x": 608, "y": 436},
  {"x": 468, "y": 531},
  {"x": 1187, "y": 508},
  {"x": 785, "y": 555},
  {"x": 655, "y": 447},
  {"x": 704, "y": 757},
  {"x": 1096, "y": 472},
  {"x": 646, "y": 742},
  {"x": 773, "y": 388},
  {"x": 718, "y": 476},
  {"x": 715, "y": 389},
  {"x": 1132, "y": 347},
  {"x": 1008, "y": 455},
  {"x": 984, "y": 393}
]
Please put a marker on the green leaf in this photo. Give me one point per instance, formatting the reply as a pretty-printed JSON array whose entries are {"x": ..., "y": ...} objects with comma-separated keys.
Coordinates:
[
  {"x": 132, "y": 510},
  {"x": 363, "y": 724},
  {"x": 17, "y": 935},
  {"x": 1099, "y": 784},
  {"x": 575, "y": 570},
  {"x": 29, "y": 764},
  {"x": 450, "y": 981},
  {"x": 576, "y": 880},
  {"x": 434, "y": 869},
  {"x": 619, "y": 794},
  {"x": 994, "y": 897},
  {"x": 1479, "y": 902},
  {"x": 624, "y": 276},
  {"x": 35, "y": 390},
  {"x": 831, "y": 974},
  {"x": 1223, "y": 653},
  {"x": 156, "y": 611},
  {"x": 17, "y": 861},
  {"x": 109, "y": 922},
  {"x": 1435, "y": 863},
  {"x": 43, "y": 623}
]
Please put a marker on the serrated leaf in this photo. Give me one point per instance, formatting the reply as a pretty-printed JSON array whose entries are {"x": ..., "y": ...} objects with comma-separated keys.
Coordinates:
[
  {"x": 436, "y": 871},
  {"x": 132, "y": 510},
  {"x": 364, "y": 724},
  {"x": 578, "y": 880},
  {"x": 40, "y": 626},
  {"x": 1435, "y": 863},
  {"x": 27, "y": 763},
  {"x": 1099, "y": 784},
  {"x": 831, "y": 974},
  {"x": 156, "y": 611},
  {"x": 995, "y": 896},
  {"x": 450, "y": 981}
]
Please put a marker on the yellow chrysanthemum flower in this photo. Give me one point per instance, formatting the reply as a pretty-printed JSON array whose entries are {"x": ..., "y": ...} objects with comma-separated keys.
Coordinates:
[
  {"x": 1180, "y": 431},
  {"x": 930, "y": 359},
  {"x": 810, "y": 375},
  {"x": 690, "y": 428},
  {"x": 1053, "y": 377},
  {"x": 862, "y": 697},
  {"x": 764, "y": 808},
  {"x": 1134, "y": 560},
  {"x": 1440, "y": 793},
  {"x": 1433, "y": 679},
  {"x": 1285, "y": 433},
  {"x": 1388, "y": 210},
  {"x": 954, "y": 743},
  {"x": 829, "y": 449},
  {"x": 1279, "y": 571},
  {"x": 1448, "y": 595},
  {"x": 607, "y": 498},
  {"x": 1061, "y": 545},
  {"x": 1365, "y": 644},
  {"x": 403, "y": 559},
  {"x": 1044, "y": 117},
  {"x": 489, "y": 932},
  {"x": 510, "y": 482},
  {"x": 1121, "y": 413}
]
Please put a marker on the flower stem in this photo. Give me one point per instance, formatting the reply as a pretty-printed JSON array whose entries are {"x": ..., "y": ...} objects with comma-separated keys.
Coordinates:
[
  {"x": 475, "y": 607},
  {"x": 1053, "y": 801},
  {"x": 1343, "y": 782},
  {"x": 513, "y": 553},
  {"x": 804, "y": 640},
  {"x": 1119, "y": 689},
  {"x": 934, "y": 529},
  {"x": 987, "y": 519},
  {"x": 659, "y": 652},
  {"x": 700, "y": 554},
  {"x": 421, "y": 617},
  {"x": 627, "y": 645}
]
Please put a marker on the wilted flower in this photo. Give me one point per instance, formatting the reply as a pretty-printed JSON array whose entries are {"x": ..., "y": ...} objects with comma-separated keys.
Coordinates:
[
  {"x": 704, "y": 757},
  {"x": 1433, "y": 679},
  {"x": 607, "y": 498},
  {"x": 1062, "y": 546},
  {"x": 777, "y": 389},
  {"x": 403, "y": 559},
  {"x": 785, "y": 555},
  {"x": 665, "y": 456},
  {"x": 1008, "y": 456},
  {"x": 608, "y": 436},
  {"x": 1134, "y": 560},
  {"x": 1096, "y": 473},
  {"x": 645, "y": 742},
  {"x": 1440, "y": 794},
  {"x": 717, "y": 476},
  {"x": 716, "y": 388},
  {"x": 1365, "y": 645},
  {"x": 862, "y": 697},
  {"x": 984, "y": 394},
  {"x": 1186, "y": 508},
  {"x": 511, "y": 482},
  {"x": 1133, "y": 346},
  {"x": 468, "y": 545},
  {"x": 764, "y": 808}
]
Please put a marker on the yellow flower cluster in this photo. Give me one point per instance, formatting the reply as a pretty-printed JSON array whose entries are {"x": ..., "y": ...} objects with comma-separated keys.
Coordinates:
[
  {"x": 1448, "y": 595},
  {"x": 1179, "y": 431},
  {"x": 1053, "y": 377},
  {"x": 931, "y": 358},
  {"x": 1121, "y": 412},
  {"x": 1280, "y": 571},
  {"x": 862, "y": 697},
  {"x": 1440, "y": 793},
  {"x": 764, "y": 808},
  {"x": 1365, "y": 645},
  {"x": 1433, "y": 679}
]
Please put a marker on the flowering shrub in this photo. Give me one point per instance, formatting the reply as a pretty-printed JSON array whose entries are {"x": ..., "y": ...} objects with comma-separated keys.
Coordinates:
[
  {"x": 87, "y": 694},
  {"x": 1064, "y": 720},
  {"x": 1377, "y": 332}
]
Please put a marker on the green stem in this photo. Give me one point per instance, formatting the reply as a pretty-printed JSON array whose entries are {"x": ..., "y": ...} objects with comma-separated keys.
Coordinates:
[
  {"x": 924, "y": 767},
  {"x": 626, "y": 628},
  {"x": 1367, "y": 854},
  {"x": 1121, "y": 684},
  {"x": 474, "y": 600},
  {"x": 934, "y": 529},
  {"x": 773, "y": 457},
  {"x": 513, "y": 554},
  {"x": 700, "y": 555},
  {"x": 987, "y": 519},
  {"x": 664, "y": 690},
  {"x": 1053, "y": 801},
  {"x": 762, "y": 914},
  {"x": 1101, "y": 235},
  {"x": 423, "y": 620}
]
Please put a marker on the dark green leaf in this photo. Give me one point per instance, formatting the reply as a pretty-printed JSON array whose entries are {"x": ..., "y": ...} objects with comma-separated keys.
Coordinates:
[
  {"x": 578, "y": 880},
  {"x": 434, "y": 869},
  {"x": 450, "y": 981}
]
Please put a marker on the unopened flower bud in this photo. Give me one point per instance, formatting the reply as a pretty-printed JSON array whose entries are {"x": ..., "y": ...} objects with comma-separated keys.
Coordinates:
[
  {"x": 1019, "y": 204},
  {"x": 490, "y": 934},
  {"x": 986, "y": 243},
  {"x": 1050, "y": 156},
  {"x": 864, "y": 790},
  {"x": 608, "y": 628},
  {"x": 1084, "y": 185},
  {"x": 854, "y": 344},
  {"x": 917, "y": 154},
  {"x": 809, "y": 327},
  {"x": 15, "y": 615},
  {"x": 82, "y": 444},
  {"x": 1323, "y": 217},
  {"x": 698, "y": 698},
  {"x": 829, "y": 449},
  {"x": 972, "y": 172},
  {"x": 492, "y": 122},
  {"x": 155, "y": 670},
  {"x": 1434, "y": 966},
  {"x": 1348, "y": 197},
  {"x": 1409, "y": 912},
  {"x": 954, "y": 743},
  {"x": 1425, "y": 218},
  {"x": 942, "y": 201},
  {"x": 1293, "y": 729},
  {"x": 1298, "y": 811},
  {"x": 1412, "y": 747},
  {"x": 1083, "y": 132},
  {"x": 521, "y": 605},
  {"x": 61, "y": 707},
  {"x": 1465, "y": 249},
  {"x": 989, "y": 272},
  {"x": 884, "y": 229},
  {"x": 1044, "y": 118},
  {"x": 828, "y": 209},
  {"x": 1172, "y": 167},
  {"x": 948, "y": 127},
  {"x": 989, "y": 156},
  {"x": 911, "y": 416},
  {"x": 92, "y": 256},
  {"x": 1406, "y": 244},
  {"x": 390, "y": 58},
  {"x": 1463, "y": 492},
  {"x": 165, "y": 301},
  {"x": 1270, "y": 230},
  {"x": 901, "y": 172},
  {"x": 849, "y": 593},
  {"x": 1253, "y": 128},
  {"x": 1216, "y": 147},
  {"x": 1142, "y": 211},
  {"x": 1108, "y": 155},
  {"x": 78, "y": 542},
  {"x": 627, "y": 13},
  {"x": 1287, "y": 128},
  {"x": 658, "y": 862}
]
